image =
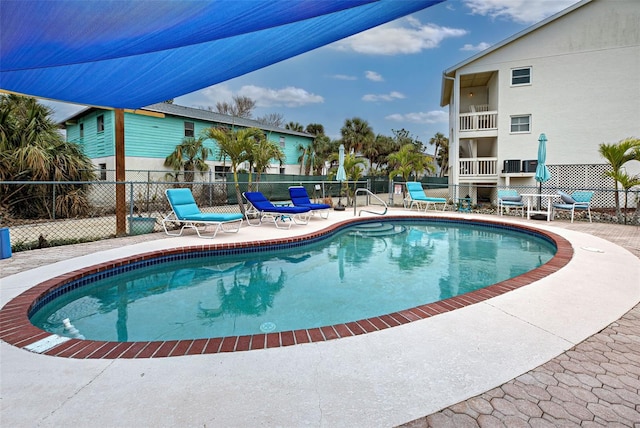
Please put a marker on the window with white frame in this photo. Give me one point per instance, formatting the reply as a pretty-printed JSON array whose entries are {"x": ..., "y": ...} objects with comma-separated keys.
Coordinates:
[
  {"x": 189, "y": 129},
  {"x": 281, "y": 142},
  {"x": 521, "y": 76},
  {"x": 521, "y": 123},
  {"x": 82, "y": 130},
  {"x": 100, "y": 123}
]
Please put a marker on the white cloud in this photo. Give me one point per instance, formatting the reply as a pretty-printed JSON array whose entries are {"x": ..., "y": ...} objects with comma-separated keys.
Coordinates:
[
  {"x": 405, "y": 36},
  {"x": 477, "y": 48},
  {"x": 394, "y": 95},
  {"x": 264, "y": 97},
  {"x": 287, "y": 97},
  {"x": 343, "y": 77},
  {"x": 522, "y": 11},
  {"x": 373, "y": 76},
  {"x": 435, "y": 116}
]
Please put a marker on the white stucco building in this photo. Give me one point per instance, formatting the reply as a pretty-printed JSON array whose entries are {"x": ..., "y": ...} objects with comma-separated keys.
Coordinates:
[{"x": 574, "y": 76}]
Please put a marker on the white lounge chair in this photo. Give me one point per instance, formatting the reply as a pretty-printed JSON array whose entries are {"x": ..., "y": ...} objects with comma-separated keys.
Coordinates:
[
  {"x": 185, "y": 211},
  {"x": 279, "y": 215},
  {"x": 418, "y": 198}
]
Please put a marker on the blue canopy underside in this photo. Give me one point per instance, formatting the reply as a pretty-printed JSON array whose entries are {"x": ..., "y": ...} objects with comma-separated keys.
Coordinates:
[{"x": 130, "y": 54}]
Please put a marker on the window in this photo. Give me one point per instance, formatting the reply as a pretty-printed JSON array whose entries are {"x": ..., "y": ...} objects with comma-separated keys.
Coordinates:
[
  {"x": 189, "y": 129},
  {"x": 103, "y": 171},
  {"x": 521, "y": 123},
  {"x": 521, "y": 76},
  {"x": 100, "y": 123},
  {"x": 282, "y": 142},
  {"x": 281, "y": 170},
  {"x": 82, "y": 130}
]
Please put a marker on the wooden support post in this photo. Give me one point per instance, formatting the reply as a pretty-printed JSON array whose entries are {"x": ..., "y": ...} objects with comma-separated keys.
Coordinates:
[{"x": 121, "y": 211}]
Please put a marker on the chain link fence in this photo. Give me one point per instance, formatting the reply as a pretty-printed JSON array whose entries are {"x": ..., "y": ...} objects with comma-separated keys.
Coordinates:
[
  {"x": 73, "y": 212},
  {"x": 88, "y": 212}
]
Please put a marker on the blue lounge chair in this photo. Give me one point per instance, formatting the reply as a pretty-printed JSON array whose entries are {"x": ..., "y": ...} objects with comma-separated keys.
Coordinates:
[
  {"x": 510, "y": 198},
  {"x": 300, "y": 198},
  {"x": 580, "y": 201},
  {"x": 279, "y": 215},
  {"x": 416, "y": 197},
  {"x": 185, "y": 211}
]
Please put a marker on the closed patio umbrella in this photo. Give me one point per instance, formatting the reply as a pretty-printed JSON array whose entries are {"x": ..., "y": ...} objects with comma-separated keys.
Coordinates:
[
  {"x": 542, "y": 172},
  {"x": 341, "y": 175}
]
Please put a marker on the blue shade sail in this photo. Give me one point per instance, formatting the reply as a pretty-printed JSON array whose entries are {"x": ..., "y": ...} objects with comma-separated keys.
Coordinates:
[{"x": 129, "y": 54}]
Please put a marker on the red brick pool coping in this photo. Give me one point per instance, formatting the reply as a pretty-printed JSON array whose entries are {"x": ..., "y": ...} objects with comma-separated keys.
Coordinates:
[{"x": 17, "y": 330}]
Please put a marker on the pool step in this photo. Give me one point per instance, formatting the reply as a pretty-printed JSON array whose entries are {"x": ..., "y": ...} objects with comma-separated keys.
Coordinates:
[{"x": 377, "y": 229}]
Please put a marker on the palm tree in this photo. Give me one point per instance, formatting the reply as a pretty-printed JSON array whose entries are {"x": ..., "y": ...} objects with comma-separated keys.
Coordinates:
[
  {"x": 385, "y": 145},
  {"x": 190, "y": 155},
  {"x": 442, "y": 158},
  {"x": 356, "y": 134},
  {"x": 408, "y": 160},
  {"x": 305, "y": 157},
  {"x": 353, "y": 167},
  {"x": 627, "y": 182},
  {"x": 294, "y": 126},
  {"x": 32, "y": 149},
  {"x": 440, "y": 142},
  {"x": 617, "y": 154},
  {"x": 261, "y": 154},
  {"x": 235, "y": 144},
  {"x": 315, "y": 129}
]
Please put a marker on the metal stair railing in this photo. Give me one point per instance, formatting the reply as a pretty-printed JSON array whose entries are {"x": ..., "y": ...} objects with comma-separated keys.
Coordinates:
[{"x": 369, "y": 195}]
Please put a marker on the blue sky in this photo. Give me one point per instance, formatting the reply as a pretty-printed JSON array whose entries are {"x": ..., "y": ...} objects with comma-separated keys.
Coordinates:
[{"x": 389, "y": 76}]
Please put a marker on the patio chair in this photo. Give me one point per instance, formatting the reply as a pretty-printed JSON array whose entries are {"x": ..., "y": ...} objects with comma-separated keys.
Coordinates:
[
  {"x": 185, "y": 211},
  {"x": 416, "y": 197},
  {"x": 279, "y": 215},
  {"x": 509, "y": 198},
  {"x": 580, "y": 200},
  {"x": 300, "y": 198}
]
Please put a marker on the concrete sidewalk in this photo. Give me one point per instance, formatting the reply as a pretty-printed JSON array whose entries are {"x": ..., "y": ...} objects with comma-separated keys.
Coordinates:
[{"x": 488, "y": 355}]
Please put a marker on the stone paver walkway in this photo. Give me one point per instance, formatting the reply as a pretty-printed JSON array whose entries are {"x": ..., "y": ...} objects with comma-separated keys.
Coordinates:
[{"x": 594, "y": 384}]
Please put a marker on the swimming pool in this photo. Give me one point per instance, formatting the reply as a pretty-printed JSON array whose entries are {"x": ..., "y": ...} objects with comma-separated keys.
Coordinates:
[{"x": 370, "y": 271}]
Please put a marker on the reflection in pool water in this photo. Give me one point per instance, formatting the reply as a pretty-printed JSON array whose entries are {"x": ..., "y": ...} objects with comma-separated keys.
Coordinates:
[{"x": 359, "y": 272}]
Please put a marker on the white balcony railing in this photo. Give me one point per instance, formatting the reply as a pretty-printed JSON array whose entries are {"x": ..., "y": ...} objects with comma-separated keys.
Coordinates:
[
  {"x": 481, "y": 121},
  {"x": 478, "y": 167}
]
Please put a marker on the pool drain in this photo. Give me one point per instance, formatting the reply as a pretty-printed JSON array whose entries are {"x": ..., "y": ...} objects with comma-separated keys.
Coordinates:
[{"x": 267, "y": 327}]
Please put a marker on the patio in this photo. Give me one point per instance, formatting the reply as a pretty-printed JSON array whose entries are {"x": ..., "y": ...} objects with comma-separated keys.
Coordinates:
[{"x": 385, "y": 378}]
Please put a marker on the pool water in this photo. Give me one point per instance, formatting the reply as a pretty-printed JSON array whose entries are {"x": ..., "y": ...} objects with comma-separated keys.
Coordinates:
[{"x": 359, "y": 272}]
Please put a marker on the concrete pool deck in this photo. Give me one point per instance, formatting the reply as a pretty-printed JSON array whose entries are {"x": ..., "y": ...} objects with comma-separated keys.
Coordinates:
[{"x": 385, "y": 378}]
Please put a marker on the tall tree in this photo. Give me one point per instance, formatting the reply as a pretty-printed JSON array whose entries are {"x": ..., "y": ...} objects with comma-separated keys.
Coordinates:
[
  {"x": 315, "y": 129},
  {"x": 273, "y": 119},
  {"x": 294, "y": 126},
  {"x": 441, "y": 143},
  {"x": 32, "y": 149},
  {"x": 239, "y": 107},
  {"x": 407, "y": 161},
  {"x": 236, "y": 145},
  {"x": 261, "y": 153},
  {"x": 190, "y": 156},
  {"x": 385, "y": 145},
  {"x": 617, "y": 154},
  {"x": 356, "y": 134}
]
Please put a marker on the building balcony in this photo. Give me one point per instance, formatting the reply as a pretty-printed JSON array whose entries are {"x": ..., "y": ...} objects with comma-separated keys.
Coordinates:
[
  {"x": 478, "y": 170},
  {"x": 479, "y": 121}
]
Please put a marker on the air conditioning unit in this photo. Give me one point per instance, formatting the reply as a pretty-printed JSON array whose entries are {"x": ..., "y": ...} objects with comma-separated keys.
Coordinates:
[
  {"x": 512, "y": 165},
  {"x": 529, "y": 165}
]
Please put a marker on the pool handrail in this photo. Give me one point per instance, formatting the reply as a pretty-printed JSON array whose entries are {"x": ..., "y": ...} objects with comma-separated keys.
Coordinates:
[{"x": 369, "y": 194}]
